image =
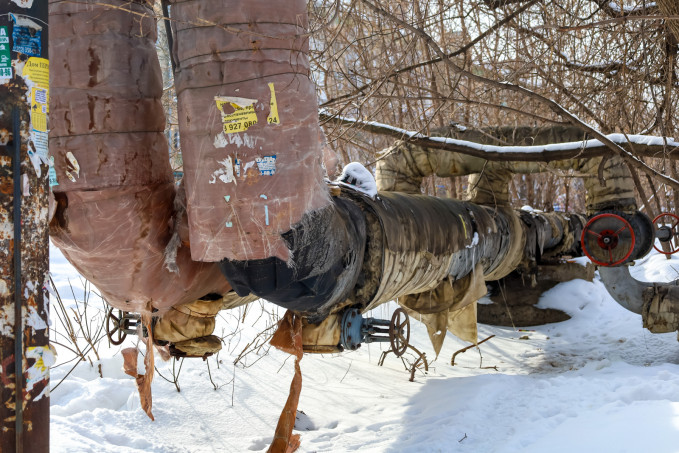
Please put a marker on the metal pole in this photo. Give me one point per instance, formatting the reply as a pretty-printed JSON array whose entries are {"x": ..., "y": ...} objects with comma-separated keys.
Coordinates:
[
  {"x": 18, "y": 318},
  {"x": 25, "y": 354}
]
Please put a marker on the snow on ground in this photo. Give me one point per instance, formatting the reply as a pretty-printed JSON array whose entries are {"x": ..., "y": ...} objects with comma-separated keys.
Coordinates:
[{"x": 596, "y": 383}]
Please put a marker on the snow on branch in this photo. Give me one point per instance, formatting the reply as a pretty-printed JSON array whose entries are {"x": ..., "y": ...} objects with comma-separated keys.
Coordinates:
[{"x": 646, "y": 145}]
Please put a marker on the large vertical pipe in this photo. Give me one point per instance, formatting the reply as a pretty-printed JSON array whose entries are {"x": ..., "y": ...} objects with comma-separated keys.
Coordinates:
[
  {"x": 249, "y": 125},
  {"x": 117, "y": 210},
  {"x": 25, "y": 355}
]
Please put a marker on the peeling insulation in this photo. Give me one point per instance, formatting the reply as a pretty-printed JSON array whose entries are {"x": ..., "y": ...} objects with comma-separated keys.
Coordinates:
[
  {"x": 115, "y": 195},
  {"x": 423, "y": 241},
  {"x": 249, "y": 126}
]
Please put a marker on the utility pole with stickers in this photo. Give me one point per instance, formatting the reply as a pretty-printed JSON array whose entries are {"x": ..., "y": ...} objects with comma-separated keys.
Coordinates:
[{"x": 25, "y": 353}]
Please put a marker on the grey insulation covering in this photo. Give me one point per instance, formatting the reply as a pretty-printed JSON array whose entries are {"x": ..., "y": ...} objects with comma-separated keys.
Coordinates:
[
  {"x": 427, "y": 240},
  {"x": 249, "y": 126},
  {"x": 115, "y": 214}
]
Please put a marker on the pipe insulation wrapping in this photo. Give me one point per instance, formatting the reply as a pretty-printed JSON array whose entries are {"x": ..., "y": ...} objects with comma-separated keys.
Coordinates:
[
  {"x": 404, "y": 165},
  {"x": 364, "y": 252},
  {"x": 117, "y": 208},
  {"x": 249, "y": 126}
]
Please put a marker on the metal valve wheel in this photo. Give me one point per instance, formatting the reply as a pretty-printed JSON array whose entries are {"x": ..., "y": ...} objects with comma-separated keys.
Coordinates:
[
  {"x": 608, "y": 239},
  {"x": 667, "y": 232},
  {"x": 114, "y": 327},
  {"x": 399, "y": 332}
]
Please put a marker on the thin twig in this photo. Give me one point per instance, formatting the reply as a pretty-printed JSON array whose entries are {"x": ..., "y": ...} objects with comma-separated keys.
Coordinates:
[{"x": 452, "y": 361}]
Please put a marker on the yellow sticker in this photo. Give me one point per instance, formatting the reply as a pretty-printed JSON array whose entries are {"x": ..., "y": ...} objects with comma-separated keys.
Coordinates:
[
  {"x": 38, "y": 71},
  {"x": 273, "y": 107},
  {"x": 39, "y": 108},
  {"x": 238, "y": 114}
]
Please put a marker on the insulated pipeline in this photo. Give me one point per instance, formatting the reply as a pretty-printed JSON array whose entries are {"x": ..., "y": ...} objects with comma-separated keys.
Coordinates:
[
  {"x": 249, "y": 125},
  {"x": 117, "y": 205}
]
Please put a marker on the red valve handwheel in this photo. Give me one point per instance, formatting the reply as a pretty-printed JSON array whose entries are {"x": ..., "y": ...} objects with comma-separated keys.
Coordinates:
[
  {"x": 608, "y": 239},
  {"x": 672, "y": 231}
]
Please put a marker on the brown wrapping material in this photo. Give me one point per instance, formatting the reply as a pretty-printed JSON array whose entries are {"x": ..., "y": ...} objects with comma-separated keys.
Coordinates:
[
  {"x": 143, "y": 380},
  {"x": 116, "y": 238},
  {"x": 618, "y": 191},
  {"x": 114, "y": 220},
  {"x": 246, "y": 183},
  {"x": 200, "y": 347},
  {"x": 426, "y": 240},
  {"x": 322, "y": 338},
  {"x": 517, "y": 243},
  {"x": 660, "y": 311},
  {"x": 233, "y": 300},
  {"x": 105, "y": 89},
  {"x": 288, "y": 338},
  {"x": 187, "y": 321},
  {"x": 456, "y": 308},
  {"x": 462, "y": 323}
]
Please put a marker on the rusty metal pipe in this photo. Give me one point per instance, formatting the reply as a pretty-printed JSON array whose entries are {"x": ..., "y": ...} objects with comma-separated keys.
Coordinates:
[{"x": 18, "y": 318}]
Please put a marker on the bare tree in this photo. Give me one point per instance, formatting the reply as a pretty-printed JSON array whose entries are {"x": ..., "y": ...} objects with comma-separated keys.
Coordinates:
[{"x": 425, "y": 66}]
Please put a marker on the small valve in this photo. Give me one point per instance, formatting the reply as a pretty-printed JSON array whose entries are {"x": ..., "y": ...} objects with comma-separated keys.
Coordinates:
[{"x": 667, "y": 229}]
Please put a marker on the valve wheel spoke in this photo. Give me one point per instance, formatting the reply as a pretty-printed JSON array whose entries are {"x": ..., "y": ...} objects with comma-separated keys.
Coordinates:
[
  {"x": 671, "y": 221},
  {"x": 399, "y": 332},
  {"x": 609, "y": 230},
  {"x": 114, "y": 329}
]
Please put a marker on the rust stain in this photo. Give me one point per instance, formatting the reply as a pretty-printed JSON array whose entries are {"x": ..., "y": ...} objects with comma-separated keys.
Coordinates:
[
  {"x": 6, "y": 381},
  {"x": 93, "y": 67}
]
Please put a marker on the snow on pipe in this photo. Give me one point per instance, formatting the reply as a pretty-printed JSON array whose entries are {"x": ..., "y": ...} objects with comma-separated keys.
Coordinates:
[
  {"x": 117, "y": 206},
  {"x": 404, "y": 165}
]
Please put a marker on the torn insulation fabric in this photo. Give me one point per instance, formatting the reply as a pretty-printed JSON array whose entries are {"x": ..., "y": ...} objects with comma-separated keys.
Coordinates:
[
  {"x": 288, "y": 338},
  {"x": 143, "y": 381},
  {"x": 249, "y": 125},
  {"x": 115, "y": 214},
  {"x": 327, "y": 249}
]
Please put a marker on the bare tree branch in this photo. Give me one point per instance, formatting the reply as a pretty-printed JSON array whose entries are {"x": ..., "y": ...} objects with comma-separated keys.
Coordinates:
[
  {"x": 643, "y": 145},
  {"x": 552, "y": 105}
]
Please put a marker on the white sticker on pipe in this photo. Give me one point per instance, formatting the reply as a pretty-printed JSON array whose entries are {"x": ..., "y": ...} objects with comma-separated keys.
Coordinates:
[{"x": 224, "y": 174}]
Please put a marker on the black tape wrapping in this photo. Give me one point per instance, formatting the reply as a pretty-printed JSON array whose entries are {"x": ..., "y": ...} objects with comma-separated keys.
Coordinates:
[{"x": 327, "y": 249}]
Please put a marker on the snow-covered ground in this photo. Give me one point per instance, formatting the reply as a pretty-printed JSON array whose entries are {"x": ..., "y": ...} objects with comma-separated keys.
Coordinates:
[{"x": 596, "y": 383}]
